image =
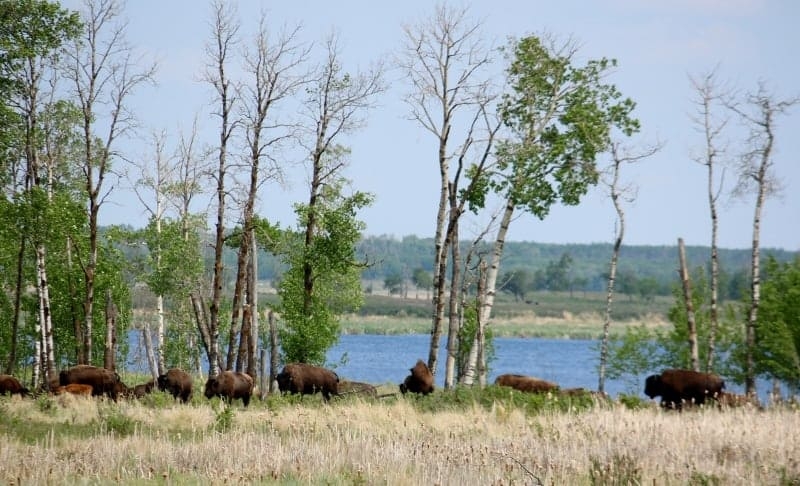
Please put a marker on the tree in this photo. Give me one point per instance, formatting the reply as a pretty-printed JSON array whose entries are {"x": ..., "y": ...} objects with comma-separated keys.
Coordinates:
[
  {"x": 618, "y": 194},
  {"x": 445, "y": 61},
  {"x": 104, "y": 74},
  {"x": 707, "y": 95},
  {"x": 33, "y": 36},
  {"x": 272, "y": 66},
  {"x": 323, "y": 279},
  {"x": 393, "y": 283},
  {"x": 778, "y": 330},
  {"x": 558, "y": 118},
  {"x": 422, "y": 279},
  {"x": 757, "y": 173},
  {"x": 517, "y": 282},
  {"x": 223, "y": 39}
]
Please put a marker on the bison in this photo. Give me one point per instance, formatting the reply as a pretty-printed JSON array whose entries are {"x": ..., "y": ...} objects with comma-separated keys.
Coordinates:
[
  {"x": 11, "y": 386},
  {"x": 357, "y": 388},
  {"x": 143, "y": 389},
  {"x": 103, "y": 381},
  {"x": 524, "y": 383},
  {"x": 307, "y": 379},
  {"x": 677, "y": 386},
  {"x": 177, "y": 382},
  {"x": 419, "y": 381},
  {"x": 230, "y": 385},
  {"x": 74, "y": 389}
]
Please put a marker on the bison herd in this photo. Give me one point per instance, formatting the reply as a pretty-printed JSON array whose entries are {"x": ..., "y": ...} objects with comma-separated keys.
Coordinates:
[{"x": 676, "y": 387}]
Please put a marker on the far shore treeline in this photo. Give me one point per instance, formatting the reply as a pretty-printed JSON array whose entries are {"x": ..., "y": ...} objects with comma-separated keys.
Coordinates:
[{"x": 645, "y": 270}]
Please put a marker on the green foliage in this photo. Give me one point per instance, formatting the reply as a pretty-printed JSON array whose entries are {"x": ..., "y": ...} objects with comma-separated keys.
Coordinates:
[
  {"x": 114, "y": 421},
  {"x": 422, "y": 278},
  {"x": 778, "y": 328},
  {"x": 517, "y": 282},
  {"x": 560, "y": 117},
  {"x": 394, "y": 283},
  {"x": 323, "y": 278},
  {"x": 223, "y": 416}
]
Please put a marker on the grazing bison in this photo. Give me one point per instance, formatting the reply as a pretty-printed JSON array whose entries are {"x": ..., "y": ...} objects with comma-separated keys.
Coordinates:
[
  {"x": 524, "y": 383},
  {"x": 11, "y": 386},
  {"x": 103, "y": 381},
  {"x": 735, "y": 400},
  {"x": 230, "y": 385},
  {"x": 419, "y": 381},
  {"x": 676, "y": 386},
  {"x": 74, "y": 389},
  {"x": 177, "y": 382},
  {"x": 143, "y": 389},
  {"x": 308, "y": 379},
  {"x": 357, "y": 388}
]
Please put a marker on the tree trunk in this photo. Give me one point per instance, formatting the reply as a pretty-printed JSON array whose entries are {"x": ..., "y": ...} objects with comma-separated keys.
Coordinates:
[
  {"x": 691, "y": 323},
  {"x": 18, "y": 289},
  {"x": 111, "y": 333},
  {"x": 274, "y": 353},
  {"x": 160, "y": 331},
  {"x": 440, "y": 248},
  {"x": 755, "y": 296},
  {"x": 713, "y": 312},
  {"x": 475, "y": 365},
  {"x": 252, "y": 301},
  {"x": 149, "y": 352},
  {"x": 612, "y": 276},
  {"x": 454, "y": 323},
  {"x": 45, "y": 318}
]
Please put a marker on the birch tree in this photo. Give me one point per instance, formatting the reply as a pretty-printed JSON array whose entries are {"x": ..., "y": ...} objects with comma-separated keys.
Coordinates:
[
  {"x": 323, "y": 279},
  {"x": 557, "y": 119},
  {"x": 619, "y": 193},
  {"x": 104, "y": 74},
  {"x": 272, "y": 64},
  {"x": 445, "y": 59},
  {"x": 708, "y": 96},
  {"x": 224, "y": 38},
  {"x": 756, "y": 175}
]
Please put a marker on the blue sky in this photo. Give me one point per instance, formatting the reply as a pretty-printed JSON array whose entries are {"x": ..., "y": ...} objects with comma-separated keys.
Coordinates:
[{"x": 658, "y": 46}]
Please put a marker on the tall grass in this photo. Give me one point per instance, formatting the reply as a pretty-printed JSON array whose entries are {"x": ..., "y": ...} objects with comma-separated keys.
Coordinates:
[{"x": 394, "y": 442}]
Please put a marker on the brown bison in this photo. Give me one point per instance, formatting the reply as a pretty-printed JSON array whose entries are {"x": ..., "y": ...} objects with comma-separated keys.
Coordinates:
[
  {"x": 307, "y": 379},
  {"x": 177, "y": 382},
  {"x": 143, "y": 389},
  {"x": 676, "y": 387},
  {"x": 735, "y": 400},
  {"x": 230, "y": 385},
  {"x": 357, "y": 388},
  {"x": 74, "y": 389},
  {"x": 524, "y": 383},
  {"x": 11, "y": 386},
  {"x": 103, "y": 381},
  {"x": 419, "y": 381}
]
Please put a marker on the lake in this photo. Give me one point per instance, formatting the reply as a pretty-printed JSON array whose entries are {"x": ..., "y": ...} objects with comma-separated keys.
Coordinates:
[{"x": 379, "y": 359}]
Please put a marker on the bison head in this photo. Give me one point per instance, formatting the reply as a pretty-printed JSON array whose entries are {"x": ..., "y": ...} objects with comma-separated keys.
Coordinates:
[{"x": 652, "y": 386}]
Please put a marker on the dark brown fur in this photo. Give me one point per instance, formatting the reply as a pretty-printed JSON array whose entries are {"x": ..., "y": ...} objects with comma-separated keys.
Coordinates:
[
  {"x": 524, "y": 383},
  {"x": 74, "y": 389},
  {"x": 419, "y": 381},
  {"x": 677, "y": 386},
  {"x": 143, "y": 389},
  {"x": 177, "y": 382},
  {"x": 308, "y": 379},
  {"x": 103, "y": 381},
  {"x": 12, "y": 386},
  {"x": 230, "y": 385}
]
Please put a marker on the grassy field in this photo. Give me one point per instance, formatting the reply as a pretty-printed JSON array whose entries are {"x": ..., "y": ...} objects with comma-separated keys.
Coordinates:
[{"x": 491, "y": 437}]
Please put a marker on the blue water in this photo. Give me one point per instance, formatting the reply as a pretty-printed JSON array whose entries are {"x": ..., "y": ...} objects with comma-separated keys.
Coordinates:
[{"x": 380, "y": 359}]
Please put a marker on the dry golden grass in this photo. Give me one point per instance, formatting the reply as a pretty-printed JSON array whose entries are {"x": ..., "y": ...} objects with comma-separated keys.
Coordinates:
[{"x": 354, "y": 442}]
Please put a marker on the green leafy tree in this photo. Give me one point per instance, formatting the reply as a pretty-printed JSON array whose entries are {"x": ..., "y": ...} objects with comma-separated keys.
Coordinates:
[
  {"x": 422, "y": 279},
  {"x": 558, "y": 117},
  {"x": 778, "y": 331},
  {"x": 312, "y": 324},
  {"x": 518, "y": 282},
  {"x": 393, "y": 283}
]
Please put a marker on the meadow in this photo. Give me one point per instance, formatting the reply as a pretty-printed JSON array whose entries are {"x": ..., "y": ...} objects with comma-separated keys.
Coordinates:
[{"x": 494, "y": 436}]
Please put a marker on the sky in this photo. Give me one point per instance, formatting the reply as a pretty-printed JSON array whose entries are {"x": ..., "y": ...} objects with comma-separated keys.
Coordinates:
[{"x": 658, "y": 46}]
